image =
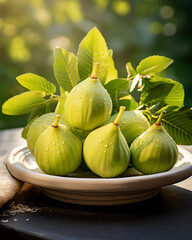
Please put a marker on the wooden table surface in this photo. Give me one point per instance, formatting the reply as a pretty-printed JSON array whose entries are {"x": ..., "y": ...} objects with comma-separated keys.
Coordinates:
[{"x": 168, "y": 215}]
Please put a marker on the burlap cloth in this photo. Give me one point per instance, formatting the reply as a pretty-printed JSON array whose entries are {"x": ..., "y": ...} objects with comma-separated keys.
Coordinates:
[{"x": 9, "y": 186}]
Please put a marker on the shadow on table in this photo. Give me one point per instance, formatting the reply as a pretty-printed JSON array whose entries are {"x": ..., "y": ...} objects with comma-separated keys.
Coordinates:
[
  {"x": 165, "y": 216},
  {"x": 166, "y": 201}
]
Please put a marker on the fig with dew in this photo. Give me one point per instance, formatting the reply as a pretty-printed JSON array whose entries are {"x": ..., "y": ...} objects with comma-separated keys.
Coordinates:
[
  {"x": 88, "y": 105},
  {"x": 154, "y": 151},
  {"x": 58, "y": 151},
  {"x": 132, "y": 124},
  {"x": 37, "y": 127},
  {"x": 106, "y": 151}
]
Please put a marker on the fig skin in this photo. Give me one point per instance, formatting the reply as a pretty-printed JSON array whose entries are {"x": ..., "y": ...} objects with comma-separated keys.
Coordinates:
[
  {"x": 154, "y": 151},
  {"x": 131, "y": 172},
  {"x": 132, "y": 124},
  {"x": 37, "y": 127},
  {"x": 106, "y": 152},
  {"x": 58, "y": 151},
  {"x": 88, "y": 105}
]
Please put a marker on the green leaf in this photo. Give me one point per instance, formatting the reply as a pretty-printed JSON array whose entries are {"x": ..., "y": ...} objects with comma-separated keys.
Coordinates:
[
  {"x": 158, "y": 89},
  {"x": 66, "y": 68},
  {"x": 153, "y": 64},
  {"x": 49, "y": 106},
  {"x": 92, "y": 49},
  {"x": 179, "y": 125},
  {"x": 137, "y": 79},
  {"x": 34, "y": 82},
  {"x": 40, "y": 110},
  {"x": 130, "y": 70},
  {"x": 129, "y": 102},
  {"x": 26, "y": 128},
  {"x": 187, "y": 110},
  {"x": 116, "y": 86},
  {"x": 60, "y": 105},
  {"x": 112, "y": 71},
  {"x": 23, "y": 103}
]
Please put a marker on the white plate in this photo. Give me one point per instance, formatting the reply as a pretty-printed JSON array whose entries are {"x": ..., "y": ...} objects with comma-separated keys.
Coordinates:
[{"x": 96, "y": 191}]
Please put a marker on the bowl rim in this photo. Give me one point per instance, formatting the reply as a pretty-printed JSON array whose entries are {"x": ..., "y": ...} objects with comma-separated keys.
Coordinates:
[{"x": 120, "y": 184}]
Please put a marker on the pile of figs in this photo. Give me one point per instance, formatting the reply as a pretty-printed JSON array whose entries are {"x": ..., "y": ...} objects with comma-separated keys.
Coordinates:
[{"x": 87, "y": 137}]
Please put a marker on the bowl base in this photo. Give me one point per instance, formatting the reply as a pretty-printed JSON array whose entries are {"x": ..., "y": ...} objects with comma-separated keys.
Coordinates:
[{"x": 98, "y": 199}]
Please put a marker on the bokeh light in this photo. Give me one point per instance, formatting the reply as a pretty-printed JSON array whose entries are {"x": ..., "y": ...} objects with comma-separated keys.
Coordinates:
[
  {"x": 121, "y": 7},
  {"x": 166, "y": 12},
  {"x": 156, "y": 28},
  {"x": 134, "y": 29},
  {"x": 169, "y": 29}
]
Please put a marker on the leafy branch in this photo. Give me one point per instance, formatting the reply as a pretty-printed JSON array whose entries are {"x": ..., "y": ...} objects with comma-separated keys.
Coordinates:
[{"x": 156, "y": 92}]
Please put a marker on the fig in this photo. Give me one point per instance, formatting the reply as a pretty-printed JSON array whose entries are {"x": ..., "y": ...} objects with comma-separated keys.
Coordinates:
[
  {"x": 105, "y": 150},
  {"x": 58, "y": 151},
  {"x": 88, "y": 105},
  {"x": 79, "y": 173},
  {"x": 154, "y": 151},
  {"x": 130, "y": 172},
  {"x": 37, "y": 127},
  {"x": 132, "y": 124}
]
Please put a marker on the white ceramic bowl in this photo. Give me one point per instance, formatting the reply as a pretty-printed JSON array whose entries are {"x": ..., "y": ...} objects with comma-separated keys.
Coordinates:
[{"x": 96, "y": 191}]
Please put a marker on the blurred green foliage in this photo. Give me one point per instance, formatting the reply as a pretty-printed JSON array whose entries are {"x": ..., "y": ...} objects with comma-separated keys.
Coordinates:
[{"x": 134, "y": 29}]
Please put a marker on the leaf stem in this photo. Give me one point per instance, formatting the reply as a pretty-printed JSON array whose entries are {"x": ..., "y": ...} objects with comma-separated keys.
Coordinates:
[
  {"x": 129, "y": 78},
  {"x": 54, "y": 96},
  {"x": 122, "y": 109}
]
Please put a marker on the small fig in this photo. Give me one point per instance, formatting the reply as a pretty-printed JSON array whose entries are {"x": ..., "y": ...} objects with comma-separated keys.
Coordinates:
[
  {"x": 37, "y": 127},
  {"x": 106, "y": 151},
  {"x": 154, "y": 151},
  {"x": 79, "y": 173},
  {"x": 88, "y": 105},
  {"x": 132, "y": 124},
  {"x": 130, "y": 172},
  {"x": 58, "y": 151}
]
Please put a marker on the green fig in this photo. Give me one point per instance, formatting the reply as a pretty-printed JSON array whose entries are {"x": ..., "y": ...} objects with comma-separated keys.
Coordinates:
[
  {"x": 58, "y": 151},
  {"x": 37, "y": 127},
  {"x": 132, "y": 124},
  {"x": 106, "y": 151},
  {"x": 130, "y": 172},
  {"x": 79, "y": 173},
  {"x": 154, "y": 151},
  {"x": 88, "y": 105}
]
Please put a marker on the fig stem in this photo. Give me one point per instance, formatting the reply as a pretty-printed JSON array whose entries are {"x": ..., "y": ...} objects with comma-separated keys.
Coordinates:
[
  {"x": 158, "y": 122},
  {"x": 121, "y": 110},
  {"x": 55, "y": 124},
  {"x": 94, "y": 71}
]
